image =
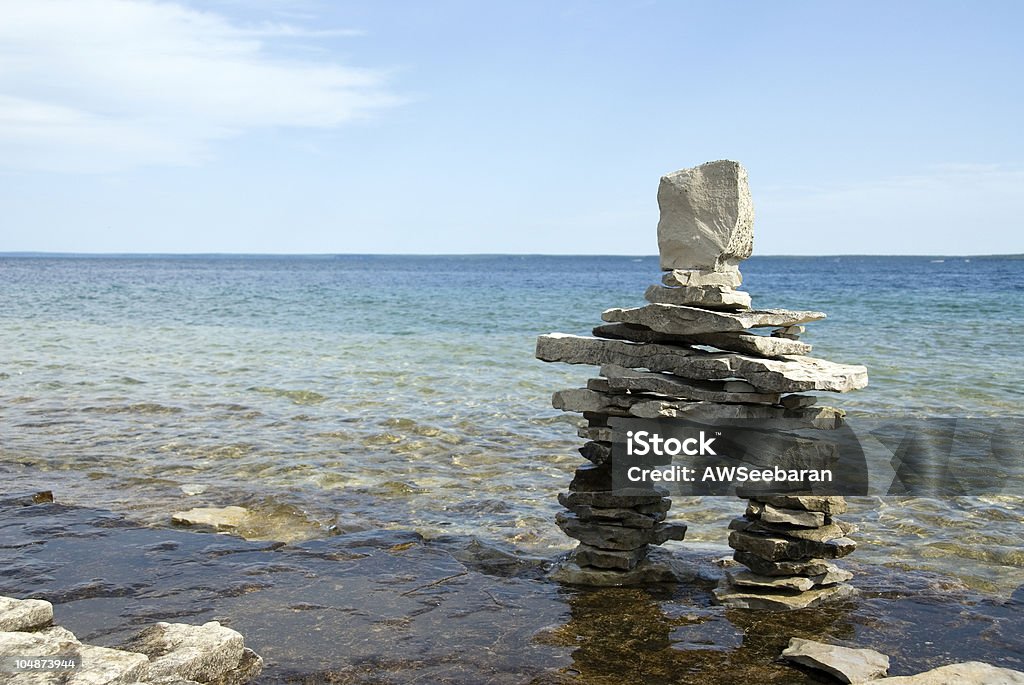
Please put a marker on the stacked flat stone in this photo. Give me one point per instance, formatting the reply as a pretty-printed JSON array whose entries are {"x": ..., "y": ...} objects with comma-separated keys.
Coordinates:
[{"x": 655, "y": 362}]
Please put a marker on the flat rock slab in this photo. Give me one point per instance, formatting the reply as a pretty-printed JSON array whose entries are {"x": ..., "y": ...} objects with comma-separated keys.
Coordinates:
[
  {"x": 748, "y": 343},
  {"x": 658, "y": 567},
  {"x": 846, "y": 664},
  {"x": 682, "y": 320},
  {"x": 828, "y": 504},
  {"x": 792, "y": 374},
  {"x": 710, "y": 297},
  {"x": 24, "y": 614},
  {"x": 778, "y": 548},
  {"x": 967, "y": 673},
  {"x": 586, "y": 401},
  {"x": 212, "y": 518},
  {"x": 621, "y": 379},
  {"x": 806, "y": 567},
  {"x": 738, "y": 598},
  {"x": 203, "y": 653},
  {"x": 707, "y": 217},
  {"x": 729, "y": 277}
]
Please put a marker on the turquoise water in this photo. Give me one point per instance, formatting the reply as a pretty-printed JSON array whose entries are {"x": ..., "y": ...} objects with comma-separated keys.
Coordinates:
[{"x": 353, "y": 393}]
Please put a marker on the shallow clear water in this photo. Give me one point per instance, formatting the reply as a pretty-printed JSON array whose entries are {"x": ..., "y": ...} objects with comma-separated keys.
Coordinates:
[{"x": 401, "y": 392}]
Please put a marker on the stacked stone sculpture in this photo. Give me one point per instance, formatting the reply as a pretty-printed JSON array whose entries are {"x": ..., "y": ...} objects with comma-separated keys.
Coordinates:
[{"x": 655, "y": 362}]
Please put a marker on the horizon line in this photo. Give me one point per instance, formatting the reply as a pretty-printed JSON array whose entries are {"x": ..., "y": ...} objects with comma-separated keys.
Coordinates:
[{"x": 46, "y": 253}]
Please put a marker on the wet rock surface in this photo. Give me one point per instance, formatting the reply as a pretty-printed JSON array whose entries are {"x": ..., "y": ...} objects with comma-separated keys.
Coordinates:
[{"x": 390, "y": 607}]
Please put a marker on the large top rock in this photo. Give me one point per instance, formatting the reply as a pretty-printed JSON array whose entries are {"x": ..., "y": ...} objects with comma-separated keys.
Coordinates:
[{"x": 707, "y": 217}]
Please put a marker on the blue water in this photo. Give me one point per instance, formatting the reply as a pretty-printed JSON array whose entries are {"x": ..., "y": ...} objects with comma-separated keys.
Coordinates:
[{"x": 367, "y": 391}]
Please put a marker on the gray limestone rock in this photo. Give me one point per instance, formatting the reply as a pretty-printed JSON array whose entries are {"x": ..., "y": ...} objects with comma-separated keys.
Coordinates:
[
  {"x": 613, "y": 501},
  {"x": 597, "y": 452},
  {"x": 710, "y": 297},
  {"x": 683, "y": 320},
  {"x": 202, "y": 653},
  {"x": 792, "y": 517},
  {"x": 592, "y": 478},
  {"x": 828, "y": 504},
  {"x": 748, "y": 343},
  {"x": 707, "y": 217},
  {"x": 98, "y": 665},
  {"x": 596, "y": 433},
  {"x": 621, "y": 379},
  {"x": 630, "y": 518},
  {"x": 843, "y": 663},
  {"x": 778, "y": 548},
  {"x": 585, "y": 555},
  {"x": 658, "y": 567},
  {"x": 603, "y": 536},
  {"x": 24, "y": 614},
  {"x": 967, "y": 673},
  {"x": 740, "y": 598},
  {"x": 793, "y": 374},
  {"x": 728, "y": 277},
  {"x": 831, "y": 531},
  {"x": 748, "y": 579},
  {"x": 213, "y": 518},
  {"x": 583, "y": 400},
  {"x": 798, "y": 401},
  {"x": 249, "y": 666},
  {"x": 804, "y": 567}
]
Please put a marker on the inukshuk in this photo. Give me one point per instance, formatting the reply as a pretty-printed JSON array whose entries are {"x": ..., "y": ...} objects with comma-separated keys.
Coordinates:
[{"x": 691, "y": 354}]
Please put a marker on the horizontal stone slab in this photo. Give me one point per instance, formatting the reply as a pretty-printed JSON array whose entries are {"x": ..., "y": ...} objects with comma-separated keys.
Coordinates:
[
  {"x": 617, "y": 537},
  {"x": 778, "y": 515},
  {"x": 793, "y": 374},
  {"x": 729, "y": 277},
  {"x": 748, "y": 343},
  {"x": 778, "y": 548},
  {"x": 744, "y": 579},
  {"x": 648, "y": 407},
  {"x": 612, "y": 500},
  {"x": 845, "y": 664},
  {"x": 731, "y": 596},
  {"x": 621, "y": 379},
  {"x": 830, "y": 531},
  {"x": 804, "y": 567},
  {"x": 585, "y": 555},
  {"x": 710, "y": 297},
  {"x": 630, "y": 518},
  {"x": 828, "y": 504},
  {"x": 682, "y": 320}
]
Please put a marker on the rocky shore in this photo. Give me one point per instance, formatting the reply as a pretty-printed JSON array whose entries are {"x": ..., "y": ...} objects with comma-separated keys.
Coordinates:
[{"x": 34, "y": 651}]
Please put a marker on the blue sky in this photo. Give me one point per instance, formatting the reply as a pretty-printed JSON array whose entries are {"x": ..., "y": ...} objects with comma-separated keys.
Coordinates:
[{"x": 308, "y": 126}]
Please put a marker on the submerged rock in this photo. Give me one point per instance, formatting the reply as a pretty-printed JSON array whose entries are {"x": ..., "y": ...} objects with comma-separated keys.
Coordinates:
[
  {"x": 215, "y": 518},
  {"x": 844, "y": 663}
]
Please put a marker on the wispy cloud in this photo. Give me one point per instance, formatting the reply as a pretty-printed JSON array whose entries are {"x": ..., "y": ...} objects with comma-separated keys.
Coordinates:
[
  {"x": 953, "y": 208},
  {"x": 96, "y": 85}
]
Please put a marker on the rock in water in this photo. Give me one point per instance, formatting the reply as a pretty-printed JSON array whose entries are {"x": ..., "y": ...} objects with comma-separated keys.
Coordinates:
[
  {"x": 707, "y": 217},
  {"x": 846, "y": 664},
  {"x": 203, "y": 653},
  {"x": 211, "y": 518}
]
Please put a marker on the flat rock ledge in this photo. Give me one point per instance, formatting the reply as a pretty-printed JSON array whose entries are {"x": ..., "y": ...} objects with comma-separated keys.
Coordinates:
[
  {"x": 165, "y": 653},
  {"x": 849, "y": 665},
  {"x": 659, "y": 566},
  {"x": 843, "y": 663}
]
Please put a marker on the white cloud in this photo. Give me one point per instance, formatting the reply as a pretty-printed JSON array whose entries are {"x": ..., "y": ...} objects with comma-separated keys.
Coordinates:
[{"x": 95, "y": 85}]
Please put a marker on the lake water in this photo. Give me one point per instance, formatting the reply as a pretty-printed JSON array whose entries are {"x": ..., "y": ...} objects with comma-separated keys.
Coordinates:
[{"x": 358, "y": 393}]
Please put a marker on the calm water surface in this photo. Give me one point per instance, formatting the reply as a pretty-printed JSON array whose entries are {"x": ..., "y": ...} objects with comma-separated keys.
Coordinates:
[{"x": 357, "y": 393}]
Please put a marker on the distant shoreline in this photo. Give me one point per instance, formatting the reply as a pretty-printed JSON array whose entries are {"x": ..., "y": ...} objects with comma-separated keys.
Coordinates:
[{"x": 332, "y": 255}]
